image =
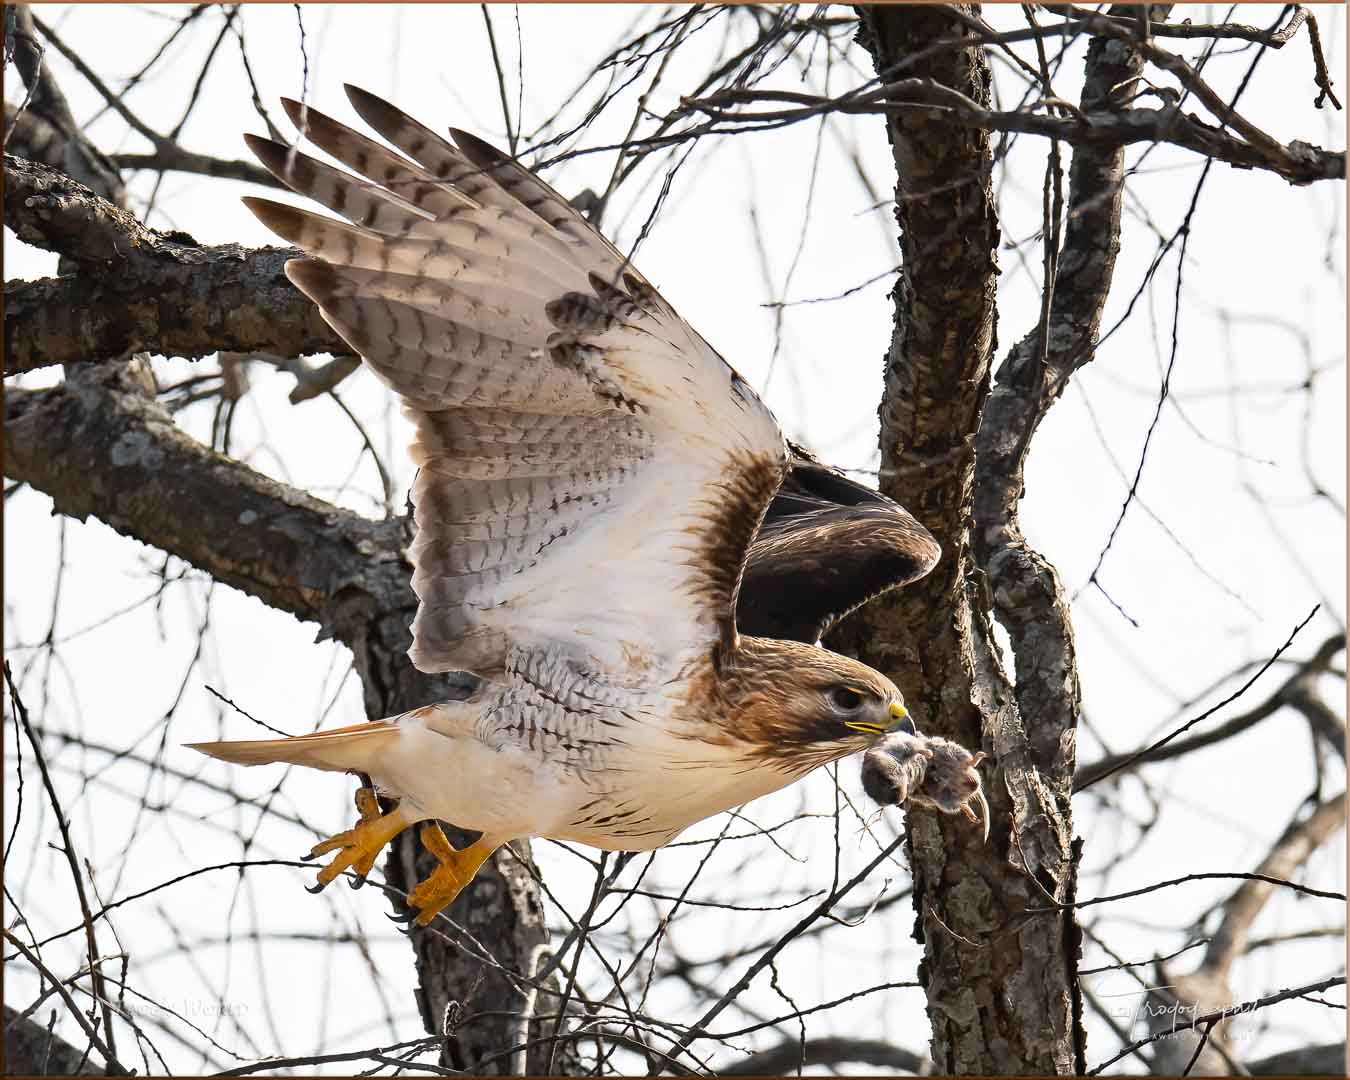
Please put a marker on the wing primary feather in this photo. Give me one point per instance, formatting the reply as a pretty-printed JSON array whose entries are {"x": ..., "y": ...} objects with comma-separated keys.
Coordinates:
[
  {"x": 360, "y": 202},
  {"x": 537, "y": 197}
]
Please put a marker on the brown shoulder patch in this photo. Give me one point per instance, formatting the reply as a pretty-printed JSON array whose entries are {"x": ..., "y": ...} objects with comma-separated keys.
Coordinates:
[{"x": 735, "y": 507}]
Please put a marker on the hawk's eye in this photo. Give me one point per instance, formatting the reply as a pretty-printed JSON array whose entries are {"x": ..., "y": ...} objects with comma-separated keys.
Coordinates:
[{"x": 845, "y": 698}]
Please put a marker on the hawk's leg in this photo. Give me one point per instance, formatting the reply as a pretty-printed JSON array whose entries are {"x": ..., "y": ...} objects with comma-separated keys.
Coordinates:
[
  {"x": 456, "y": 870},
  {"x": 368, "y": 806},
  {"x": 358, "y": 847}
]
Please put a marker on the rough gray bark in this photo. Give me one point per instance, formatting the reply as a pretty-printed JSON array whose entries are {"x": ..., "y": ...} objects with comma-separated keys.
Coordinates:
[
  {"x": 139, "y": 289},
  {"x": 98, "y": 445}
]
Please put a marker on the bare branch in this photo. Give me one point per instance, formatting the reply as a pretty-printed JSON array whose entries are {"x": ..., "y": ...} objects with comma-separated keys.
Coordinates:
[
  {"x": 98, "y": 446},
  {"x": 34, "y": 1050},
  {"x": 72, "y": 858},
  {"x": 1298, "y": 162},
  {"x": 168, "y": 153},
  {"x": 168, "y": 294},
  {"x": 783, "y": 1059},
  {"x": 1290, "y": 852},
  {"x": 1026, "y": 593},
  {"x": 176, "y": 159},
  {"x": 1220, "y": 1015},
  {"x": 1307, "y": 890},
  {"x": 1292, "y": 692},
  {"x": 42, "y": 127},
  {"x": 1327, "y": 1059},
  {"x": 113, "y": 1067},
  {"x": 766, "y": 958},
  {"x": 1274, "y": 39}
]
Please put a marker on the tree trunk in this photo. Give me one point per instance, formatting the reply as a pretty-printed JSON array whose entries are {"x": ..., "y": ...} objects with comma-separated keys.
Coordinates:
[{"x": 1000, "y": 978}]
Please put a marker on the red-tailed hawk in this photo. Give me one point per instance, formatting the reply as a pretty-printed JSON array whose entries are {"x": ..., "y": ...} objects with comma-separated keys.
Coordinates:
[{"x": 612, "y": 532}]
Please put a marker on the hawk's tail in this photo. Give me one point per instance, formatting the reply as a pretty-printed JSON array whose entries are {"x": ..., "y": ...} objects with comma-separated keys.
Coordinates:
[{"x": 348, "y": 749}]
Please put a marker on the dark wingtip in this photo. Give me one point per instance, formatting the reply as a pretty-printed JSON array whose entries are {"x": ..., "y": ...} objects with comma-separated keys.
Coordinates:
[
  {"x": 305, "y": 116},
  {"x": 356, "y": 93},
  {"x": 363, "y": 99},
  {"x": 481, "y": 153},
  {"x": 313, "y": 277},
  {"x": 276, "y": 157},
  {"x": 295, "y": 110},
  {"x": 261, "y": 144},
  {"x": 372, "y": 108},
  {"x": 283, "y": 220}
]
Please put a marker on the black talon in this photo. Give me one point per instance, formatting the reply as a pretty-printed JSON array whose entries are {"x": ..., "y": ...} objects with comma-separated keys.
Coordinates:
[
  {"x": 310, "y": 857},
  {"x": 314, "y": 890},
  {"x": 403, "y": 917},
  {"x": 356, "y": 881}
]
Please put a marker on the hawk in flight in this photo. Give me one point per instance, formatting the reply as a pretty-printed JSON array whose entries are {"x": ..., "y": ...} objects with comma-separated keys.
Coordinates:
[{"x": 612, "y": 532}]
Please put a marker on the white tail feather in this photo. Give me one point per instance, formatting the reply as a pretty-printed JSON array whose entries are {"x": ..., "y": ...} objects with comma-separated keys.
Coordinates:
[{"x": 349, "y": 749}]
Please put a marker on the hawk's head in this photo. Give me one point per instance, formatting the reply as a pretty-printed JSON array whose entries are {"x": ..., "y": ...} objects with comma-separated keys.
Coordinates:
[{"x": 799, "y": 706}]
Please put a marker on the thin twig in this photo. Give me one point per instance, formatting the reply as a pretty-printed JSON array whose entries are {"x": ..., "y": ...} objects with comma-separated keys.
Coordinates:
[
  {"x": 72, "y": 860},
  {"x": 1153, "y": 747},
  {"x": 1219, "y": 1015}
]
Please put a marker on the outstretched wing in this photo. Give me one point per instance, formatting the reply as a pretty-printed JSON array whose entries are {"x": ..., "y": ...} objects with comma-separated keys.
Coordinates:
[
  {"x": 592, "y": 472},
  {"x": 827, "y": 546}
]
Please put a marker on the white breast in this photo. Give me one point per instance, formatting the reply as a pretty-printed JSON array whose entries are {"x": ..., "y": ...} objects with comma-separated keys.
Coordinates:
[{"x": 619, "y": 776}]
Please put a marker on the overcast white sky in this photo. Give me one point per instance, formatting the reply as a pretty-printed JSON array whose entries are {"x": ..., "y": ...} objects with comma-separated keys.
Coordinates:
[{"x": 1245, "y": 553}]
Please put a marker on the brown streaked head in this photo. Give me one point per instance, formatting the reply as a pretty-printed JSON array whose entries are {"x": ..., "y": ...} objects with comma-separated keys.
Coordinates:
[{"x": 798, "y": 706}]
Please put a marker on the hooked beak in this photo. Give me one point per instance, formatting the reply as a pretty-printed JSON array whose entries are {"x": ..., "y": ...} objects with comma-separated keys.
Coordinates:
[
  {"x": 899, "y": 717},
  {"x": 900, "y": 720}
]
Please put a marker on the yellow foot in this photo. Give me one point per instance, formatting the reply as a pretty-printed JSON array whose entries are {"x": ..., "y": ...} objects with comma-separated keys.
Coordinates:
[
  {"x": 456, "y": 870},
  {"x": 359, "y": 847},
  {"x": 368, "y": 806}
]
